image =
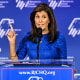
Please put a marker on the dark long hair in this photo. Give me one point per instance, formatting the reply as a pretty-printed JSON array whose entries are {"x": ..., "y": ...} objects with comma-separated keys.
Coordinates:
[{"x": 52, "y": 27}]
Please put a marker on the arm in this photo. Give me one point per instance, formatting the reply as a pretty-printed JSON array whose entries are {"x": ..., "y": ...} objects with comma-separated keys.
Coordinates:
[
  {"x": 62, "y": 47},
  {"x": 22, "y": 49},
  {"x": 12, "y": 37}
]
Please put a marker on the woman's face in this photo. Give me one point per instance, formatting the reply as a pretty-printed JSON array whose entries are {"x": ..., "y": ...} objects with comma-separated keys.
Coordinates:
[{"x": 41, "y": 21}]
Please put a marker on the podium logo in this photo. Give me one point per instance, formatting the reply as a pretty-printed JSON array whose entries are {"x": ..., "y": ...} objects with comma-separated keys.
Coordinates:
[
  {"x": 23, "y": 4},
  {"x": 35, "y": 78},
  {"x": 4, "y": 26},
  {"x": 74, "y": 27},
  {"x": 2, "y": 3},
  {"x": 60, "y": 3}
]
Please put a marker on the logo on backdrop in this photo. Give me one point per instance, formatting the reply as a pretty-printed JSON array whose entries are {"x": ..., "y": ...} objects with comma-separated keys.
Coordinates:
[
  {"x": 52, "y": 3},
  {"x": 23, "y": 4},
  {"x": 60, "y": 3},
  {"x": 0, "y": 49},
  {"x": 77, "y": 76},
  {"x": 4, "y": 26},
  {"x": 74, "y": 27},
  {"x": 2, "y": 3}
]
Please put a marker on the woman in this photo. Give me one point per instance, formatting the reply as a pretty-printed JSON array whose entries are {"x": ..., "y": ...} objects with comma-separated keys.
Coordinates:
[{"x": 52, "y": 45}]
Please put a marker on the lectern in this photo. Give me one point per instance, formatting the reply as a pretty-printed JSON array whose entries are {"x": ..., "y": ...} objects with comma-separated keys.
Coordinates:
[{"x": 37, "y": 69}]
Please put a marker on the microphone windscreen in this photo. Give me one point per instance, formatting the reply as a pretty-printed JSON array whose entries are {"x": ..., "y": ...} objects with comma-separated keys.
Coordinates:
[{"x": 39, "y": 32}]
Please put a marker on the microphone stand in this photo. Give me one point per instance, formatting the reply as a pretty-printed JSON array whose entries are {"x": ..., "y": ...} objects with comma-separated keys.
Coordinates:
[
  {"x": 38, "y": 62},
  {"x": 38, "y": 48},
  {"x": 39, "y": 34}
]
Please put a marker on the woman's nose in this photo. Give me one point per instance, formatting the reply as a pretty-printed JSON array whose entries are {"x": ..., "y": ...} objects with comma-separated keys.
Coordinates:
[{"x": 40, "y": 20}]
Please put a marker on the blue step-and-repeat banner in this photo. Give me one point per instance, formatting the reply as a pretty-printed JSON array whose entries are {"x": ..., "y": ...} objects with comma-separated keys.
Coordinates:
[{"x": 17, "y": 13}]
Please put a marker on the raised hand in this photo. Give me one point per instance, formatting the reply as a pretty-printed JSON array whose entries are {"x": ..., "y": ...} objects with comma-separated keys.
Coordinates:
[{"x": 11, "y": 36}]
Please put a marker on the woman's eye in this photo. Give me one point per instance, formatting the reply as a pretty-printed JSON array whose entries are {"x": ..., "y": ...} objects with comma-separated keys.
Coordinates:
[
  {"x": 37, "y": 16},
  {"x": 44, "y": 17}
]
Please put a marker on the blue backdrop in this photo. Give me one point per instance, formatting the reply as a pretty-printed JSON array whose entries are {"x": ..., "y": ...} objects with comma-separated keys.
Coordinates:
[{"x": 17, "y": 13}]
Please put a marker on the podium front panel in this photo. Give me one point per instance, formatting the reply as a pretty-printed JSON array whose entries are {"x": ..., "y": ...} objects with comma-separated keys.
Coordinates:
[{"x": 36, "y": 72}]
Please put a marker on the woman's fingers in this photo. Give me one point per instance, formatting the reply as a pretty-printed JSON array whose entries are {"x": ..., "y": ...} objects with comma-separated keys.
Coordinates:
[
  {"x": 11, "y": 34},
  {"x": 11, "y": 28}
]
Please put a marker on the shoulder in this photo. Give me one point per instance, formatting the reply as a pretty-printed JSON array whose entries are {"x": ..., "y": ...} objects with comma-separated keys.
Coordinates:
[
  {"x": 26, "y": 35},
  {"x": 60, "y": 37}
]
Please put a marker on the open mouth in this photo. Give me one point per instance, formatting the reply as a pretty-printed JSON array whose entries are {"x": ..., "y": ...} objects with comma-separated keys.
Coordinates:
[{"x": 40, "y": 25}]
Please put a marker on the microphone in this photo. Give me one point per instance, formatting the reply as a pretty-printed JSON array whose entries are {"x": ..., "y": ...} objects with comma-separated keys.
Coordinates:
[{"x": 39, "y": 34}]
